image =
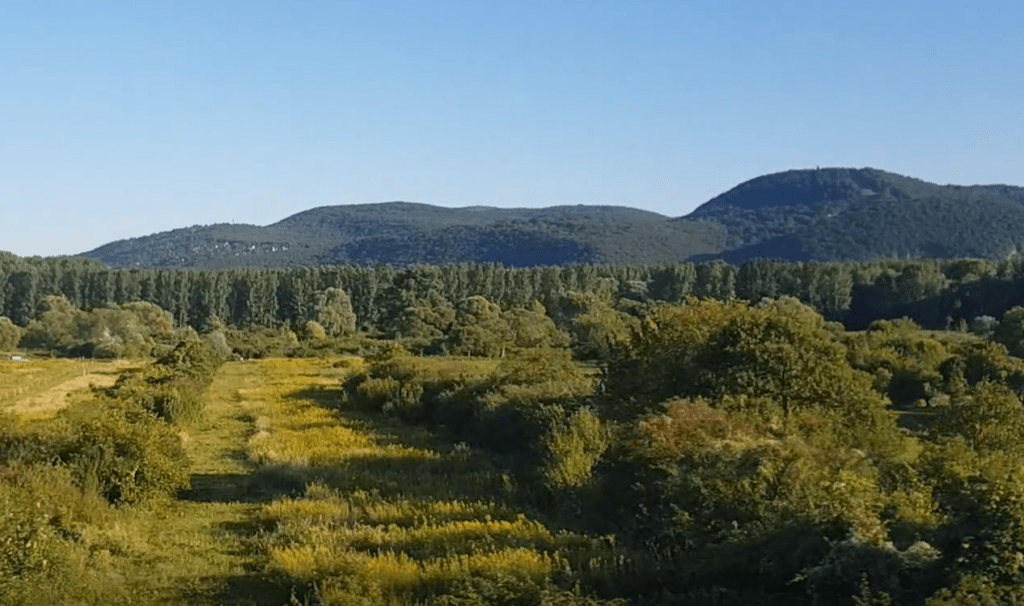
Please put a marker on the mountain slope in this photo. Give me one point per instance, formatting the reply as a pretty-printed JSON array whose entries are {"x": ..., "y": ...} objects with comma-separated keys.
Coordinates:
[
  {"x": 403, "y": 233},
  {"x": 849, "y": 214},
  {"x": 826, "y": 214}
]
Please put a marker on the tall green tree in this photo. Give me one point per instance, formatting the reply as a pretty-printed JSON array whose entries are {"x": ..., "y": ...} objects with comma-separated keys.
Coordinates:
[
  {"x": 22, "y": 295},
  {"x": 479, "y": 329},
  {"x": 334, "y": 312}
]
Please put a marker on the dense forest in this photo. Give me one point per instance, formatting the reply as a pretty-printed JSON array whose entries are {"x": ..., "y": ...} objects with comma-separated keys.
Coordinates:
[
  {"x": 829, "y": 214},
  {"x": 935, "y": 293}
]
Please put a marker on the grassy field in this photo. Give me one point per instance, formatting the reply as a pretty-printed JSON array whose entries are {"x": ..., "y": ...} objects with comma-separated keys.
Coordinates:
[
  {"x": 39, "y": 387},
  {"x": 391, "y": 513},
  {"x": 291, "y": 495}
]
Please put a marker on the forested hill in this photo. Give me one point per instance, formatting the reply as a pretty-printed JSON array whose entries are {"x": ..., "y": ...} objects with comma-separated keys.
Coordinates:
[
  {"x": 830, "y": 214},
  {"x": 404, "y": 233},
  {"x": 841, "y": 214}
]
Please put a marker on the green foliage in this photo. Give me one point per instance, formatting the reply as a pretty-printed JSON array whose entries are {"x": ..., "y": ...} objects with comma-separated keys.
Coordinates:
[
  {"x": 172, "y": 388},
  {"x": 977, "y": 590},
  {"x": 480, "y": 329},
  {"x": 597, "y": 328},
  {"x": 988, "y": 416},
  {"x": 43, "y": 514},
  {"x": 981, "y": 497},
  {"x": 126, "y": 455},
  {"x": 193, "y": 358},
  {"x": 312, "y": 331},
  {"x": 533, "y": 328},
  {"x": 114, "y": 331},
  {"x": 218, "y": 342},
  {"x": 261, "y": 342},
  {"x": 973, "y": 362},
  {"x": 525, "y": 406},
  {"x": 573, "y": 446},
  {"x": 906, "y": 364},
  {"x": 778, "y": 351},
  {"x": 334, "y": 312},
  {"x": 1010, "y": 331},
  {"x": 424, "y": 326},
  {"x": 10, "y": 334}
]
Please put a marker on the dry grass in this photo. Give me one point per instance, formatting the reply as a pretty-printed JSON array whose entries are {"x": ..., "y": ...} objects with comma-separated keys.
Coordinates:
[{"x": 40, "y": 387}]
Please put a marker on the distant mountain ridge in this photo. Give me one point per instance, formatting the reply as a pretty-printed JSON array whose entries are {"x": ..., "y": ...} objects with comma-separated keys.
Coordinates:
[
  {"x": 402, "y": 233},
  {"x": 837, "y": 214},
  {"x": 818, "y": 214}
]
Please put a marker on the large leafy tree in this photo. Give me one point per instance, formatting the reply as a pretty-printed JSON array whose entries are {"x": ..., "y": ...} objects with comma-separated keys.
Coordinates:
[
  {"x": 479, "y": 329},
  {"x": 334, "y": 312}
]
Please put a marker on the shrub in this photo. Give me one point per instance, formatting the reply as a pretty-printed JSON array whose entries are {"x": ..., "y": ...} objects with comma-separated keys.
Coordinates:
[
  {"x": 193, "y": 358},
  {"x": 479, "y": 329},
  {"x": 179, "y": 401},
  {"x": 390, "y": 395},
  {"x": 132, "y": 329},
  {"x": 782, "y": 353},
  {"x": 312, "y": 331},
  {"x": 172, "y": 388},
  {"x": 261, "y": 342},
  {"x": 533, "y": 328},
  {"x": 218, "y": 342},
  {"x": 40, "y": 561},
  {"x": 127, "y": 456},
  {"x": 10, "y": 334},
  {"x": 573, "y": 446}
]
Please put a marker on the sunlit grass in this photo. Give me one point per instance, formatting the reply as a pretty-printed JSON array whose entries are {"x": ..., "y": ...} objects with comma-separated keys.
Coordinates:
[
  {"x": 397, "y": 571},
  {"x": 37, "y": 388},
  {"x": 392, "y": 519}
]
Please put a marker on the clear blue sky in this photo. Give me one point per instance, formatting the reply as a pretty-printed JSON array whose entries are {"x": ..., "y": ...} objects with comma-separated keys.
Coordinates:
[{"x": 120, "y": 119}]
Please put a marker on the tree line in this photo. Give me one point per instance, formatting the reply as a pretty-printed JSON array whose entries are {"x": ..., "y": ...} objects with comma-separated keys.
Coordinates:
[{"x": 935, "y": 293}]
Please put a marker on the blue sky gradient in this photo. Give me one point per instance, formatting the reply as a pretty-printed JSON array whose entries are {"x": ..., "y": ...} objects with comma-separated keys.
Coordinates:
[{"x": 120, "y": 119}]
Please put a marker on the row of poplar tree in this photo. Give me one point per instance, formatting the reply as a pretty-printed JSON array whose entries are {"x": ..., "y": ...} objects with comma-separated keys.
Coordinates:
[{"x": 935, "y": 293}]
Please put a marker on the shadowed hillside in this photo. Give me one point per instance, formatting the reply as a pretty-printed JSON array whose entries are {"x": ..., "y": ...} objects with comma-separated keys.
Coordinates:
[
  {"x": 830, "y": 214},
  {"x": 402, "y": 233}
]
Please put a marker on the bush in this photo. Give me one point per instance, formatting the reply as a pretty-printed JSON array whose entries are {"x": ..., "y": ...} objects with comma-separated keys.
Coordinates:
[
  {"x": 334, "y": 312},
  {"x": 312, "y": 331},
  {"x": 193, "y": 358},
  {"x": 573, "y": 446},
  {"x": 40, "y": 560},
  {"x": 10, "y": 334},
  {"x": 218, "y": 342},
  {"x": 260, "y": 342},
  {"x": 127, "y": 455},
  {"x": 172, "y": 388},
  {"x": 780, "y": 352}
]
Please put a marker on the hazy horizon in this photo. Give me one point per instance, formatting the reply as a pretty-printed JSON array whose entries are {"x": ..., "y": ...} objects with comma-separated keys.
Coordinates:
[{"x": 125, "y": 119}]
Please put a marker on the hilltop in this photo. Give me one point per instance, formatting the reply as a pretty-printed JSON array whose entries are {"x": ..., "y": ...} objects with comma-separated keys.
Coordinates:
[{"x": 840, "y": 214}]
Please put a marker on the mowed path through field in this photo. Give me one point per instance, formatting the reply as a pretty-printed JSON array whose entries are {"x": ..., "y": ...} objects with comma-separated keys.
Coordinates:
[
  {"x": 291, "y": 493},
  {"x": 200, "y": 548},
  {"x": 389, "y": 512}
]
